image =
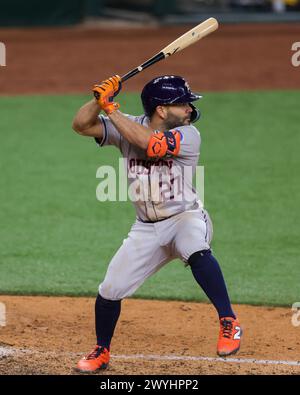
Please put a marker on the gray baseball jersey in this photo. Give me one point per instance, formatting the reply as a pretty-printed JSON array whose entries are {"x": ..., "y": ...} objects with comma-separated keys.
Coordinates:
[
  {"x": 171, "y": 222},
  {"x": 163, "y": 187}
]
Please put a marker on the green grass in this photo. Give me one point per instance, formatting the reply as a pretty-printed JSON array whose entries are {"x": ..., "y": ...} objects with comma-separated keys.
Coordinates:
[{"x": 56, "y": 238}]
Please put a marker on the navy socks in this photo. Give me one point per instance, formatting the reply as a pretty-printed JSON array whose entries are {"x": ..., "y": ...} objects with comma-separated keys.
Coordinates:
[
  {"x": 107, "y": 313},
  {"x": 207, "y": 273}
]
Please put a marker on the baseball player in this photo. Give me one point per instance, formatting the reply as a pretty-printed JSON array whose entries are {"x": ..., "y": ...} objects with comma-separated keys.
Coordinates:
[{"x": 171, "y": 222}]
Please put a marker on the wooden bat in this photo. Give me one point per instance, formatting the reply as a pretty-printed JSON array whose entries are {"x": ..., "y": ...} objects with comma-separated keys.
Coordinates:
[{"x": 187, "y": 39}]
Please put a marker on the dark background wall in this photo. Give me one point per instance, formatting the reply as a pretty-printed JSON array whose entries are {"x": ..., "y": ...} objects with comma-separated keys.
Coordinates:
[{"x": 68, "y": 12}]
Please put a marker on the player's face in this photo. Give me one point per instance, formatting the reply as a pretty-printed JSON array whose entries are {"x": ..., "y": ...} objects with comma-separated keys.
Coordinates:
[{"x": 178, "y": 115}]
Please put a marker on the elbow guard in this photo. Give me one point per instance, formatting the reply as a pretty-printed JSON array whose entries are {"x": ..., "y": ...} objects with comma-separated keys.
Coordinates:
[{"x": 164, "y": 143}]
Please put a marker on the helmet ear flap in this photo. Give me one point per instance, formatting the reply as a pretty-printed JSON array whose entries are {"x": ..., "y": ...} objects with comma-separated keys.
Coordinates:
[{"x": 195, "y": 115}]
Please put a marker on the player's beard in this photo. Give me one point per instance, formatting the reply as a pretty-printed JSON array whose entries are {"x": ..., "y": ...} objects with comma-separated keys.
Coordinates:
[{"x": 174, "y": 121}]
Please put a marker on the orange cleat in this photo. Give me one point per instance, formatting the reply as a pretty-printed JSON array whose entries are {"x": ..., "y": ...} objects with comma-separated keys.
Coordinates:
[
  {"x": 97, "y": 359},
  {"x": 229, "y": 337}
]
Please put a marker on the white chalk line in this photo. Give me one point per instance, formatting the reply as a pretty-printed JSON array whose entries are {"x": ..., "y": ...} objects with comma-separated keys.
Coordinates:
[
  {"x": 209, "y": 359},
  {"x": 5, "y": 351}
]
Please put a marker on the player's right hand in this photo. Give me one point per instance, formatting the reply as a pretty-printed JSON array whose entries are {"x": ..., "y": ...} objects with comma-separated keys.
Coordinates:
[{"x": 106, "y": 91}]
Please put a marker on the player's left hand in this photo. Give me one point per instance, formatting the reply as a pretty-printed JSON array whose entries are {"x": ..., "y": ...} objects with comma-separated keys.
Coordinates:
[{"x": 105, "y": 93}]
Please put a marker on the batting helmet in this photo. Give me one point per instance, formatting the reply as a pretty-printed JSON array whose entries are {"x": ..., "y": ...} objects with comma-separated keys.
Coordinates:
[{"x": 168, "y": 89}]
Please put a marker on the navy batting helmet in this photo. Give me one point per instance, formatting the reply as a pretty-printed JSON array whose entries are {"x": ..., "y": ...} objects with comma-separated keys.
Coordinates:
[{"x": 168, "y": 89}]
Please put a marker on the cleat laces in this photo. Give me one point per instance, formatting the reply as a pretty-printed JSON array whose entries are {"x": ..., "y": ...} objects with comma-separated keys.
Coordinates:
[
  {"x": 227, "y": 329},
  {"x": 95, "y": 353}
]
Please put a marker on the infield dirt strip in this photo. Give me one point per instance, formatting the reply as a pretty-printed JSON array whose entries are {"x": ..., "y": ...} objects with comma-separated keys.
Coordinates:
[
  {"x": 47, "y": 335},
  {"x": 65, "y": 60}
]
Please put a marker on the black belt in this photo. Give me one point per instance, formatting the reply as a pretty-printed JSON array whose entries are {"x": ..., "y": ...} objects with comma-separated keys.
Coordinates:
[{"x": 159, "y": 220}]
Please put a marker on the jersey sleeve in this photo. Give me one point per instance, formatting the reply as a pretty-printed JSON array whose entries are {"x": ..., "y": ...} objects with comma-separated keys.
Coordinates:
[
  {"x": 110, "y": 134},
  {"x": 190, "y": 141}
]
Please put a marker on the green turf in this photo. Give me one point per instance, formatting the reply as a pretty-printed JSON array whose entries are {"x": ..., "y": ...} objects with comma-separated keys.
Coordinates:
[{"x": 56, "y": 238}]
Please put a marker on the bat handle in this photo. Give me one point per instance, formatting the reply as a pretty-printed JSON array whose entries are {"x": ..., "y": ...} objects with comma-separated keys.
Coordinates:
[
  {"x": 149, "y": 62},
  {"x": 130, "y": 74}
]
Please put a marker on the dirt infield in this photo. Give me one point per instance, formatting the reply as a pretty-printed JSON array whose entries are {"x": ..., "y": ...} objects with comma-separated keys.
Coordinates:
[
  {"x": 47, "y": 335},
  {"x": 72, "y": 59}
]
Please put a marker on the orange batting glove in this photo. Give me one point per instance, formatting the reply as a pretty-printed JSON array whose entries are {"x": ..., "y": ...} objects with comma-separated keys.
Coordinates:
[{"x": 105, "y": 93}]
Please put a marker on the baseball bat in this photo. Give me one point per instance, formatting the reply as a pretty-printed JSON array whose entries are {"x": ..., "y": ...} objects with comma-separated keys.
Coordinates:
[{"x": 187, "y": 39}]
